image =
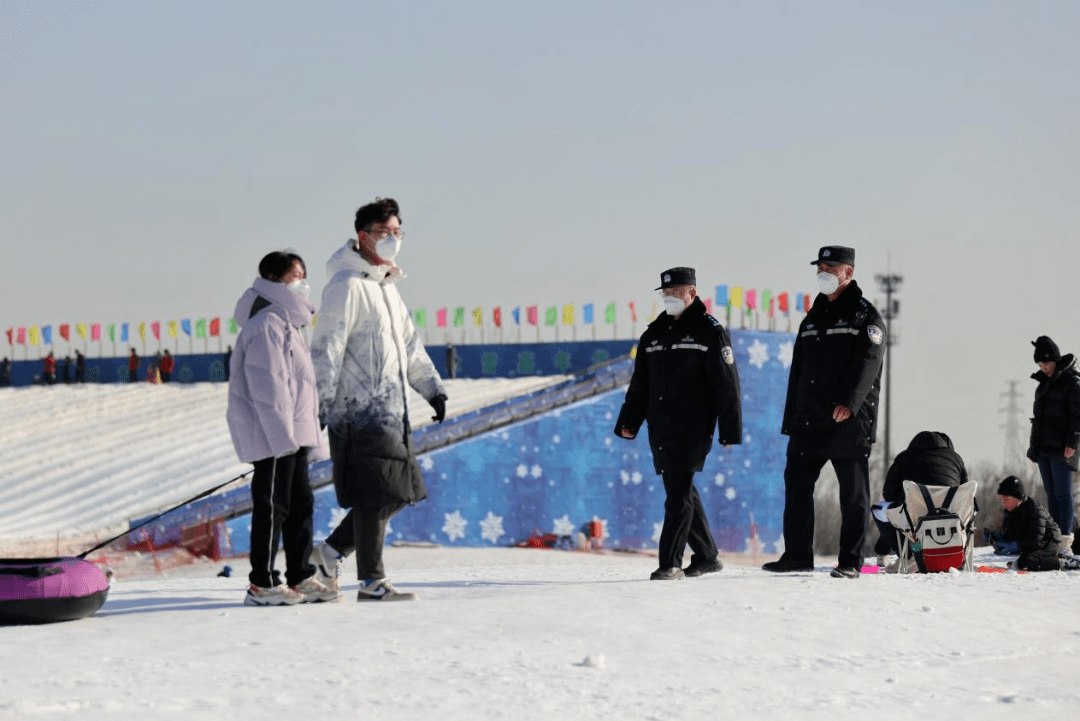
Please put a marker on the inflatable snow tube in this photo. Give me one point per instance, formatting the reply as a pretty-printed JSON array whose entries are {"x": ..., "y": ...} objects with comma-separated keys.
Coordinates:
[{"x": 44, "y": 590}]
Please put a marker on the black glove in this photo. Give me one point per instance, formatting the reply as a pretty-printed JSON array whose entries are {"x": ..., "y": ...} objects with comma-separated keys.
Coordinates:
[{"x": 439, "y": 404}]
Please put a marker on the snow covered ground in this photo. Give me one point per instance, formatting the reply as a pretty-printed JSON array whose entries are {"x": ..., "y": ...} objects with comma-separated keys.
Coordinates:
[
  {"x": 499, "y": 633},
  {"x": 79, "y": 460},
  {"x": 546, "y": 634}
]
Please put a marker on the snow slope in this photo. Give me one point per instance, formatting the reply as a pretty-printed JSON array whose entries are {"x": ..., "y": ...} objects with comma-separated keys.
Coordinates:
[
  {"x": 84, "y": 459},
  {"x": 544, "y": 634}
]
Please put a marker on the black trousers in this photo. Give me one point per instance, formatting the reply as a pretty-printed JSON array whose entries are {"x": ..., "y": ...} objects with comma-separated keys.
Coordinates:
[
  {"x": 282, "y": 507},
  {"x": 364, "y": 530},
  {"x": 684, "y": 522},
  {"x": 800, "y": 476}
]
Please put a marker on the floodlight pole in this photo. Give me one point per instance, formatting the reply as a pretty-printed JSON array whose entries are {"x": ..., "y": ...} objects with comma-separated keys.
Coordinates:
[{"x": 888, "y": 284}]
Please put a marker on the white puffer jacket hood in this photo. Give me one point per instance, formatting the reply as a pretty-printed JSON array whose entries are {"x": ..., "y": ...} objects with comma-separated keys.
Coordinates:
[{"x": 365, "y": 347}]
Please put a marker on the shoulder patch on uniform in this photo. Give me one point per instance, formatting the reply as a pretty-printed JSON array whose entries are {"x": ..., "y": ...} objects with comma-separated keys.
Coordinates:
[
  {"x": 715, "y": 322},
  {"x": 728, "y": 354},
  {"x": 876, "y": 334}
]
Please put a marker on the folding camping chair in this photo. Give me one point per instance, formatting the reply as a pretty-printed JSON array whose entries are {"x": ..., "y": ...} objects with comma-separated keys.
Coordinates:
[{"x": 935, "y": 527}]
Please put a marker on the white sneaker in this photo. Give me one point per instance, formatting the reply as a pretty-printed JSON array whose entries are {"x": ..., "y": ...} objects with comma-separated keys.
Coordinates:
[
  {"x": 382, "y": 590},
  {"x": 327, "y": 564},
  {"x": 315, "y": 592},
  {"x": 280, "y": 595}
]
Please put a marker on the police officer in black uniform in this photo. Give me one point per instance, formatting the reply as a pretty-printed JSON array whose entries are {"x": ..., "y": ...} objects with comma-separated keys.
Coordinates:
[
  {"x": 831, "y": 413},
  {"x": 684, "y": 380}
]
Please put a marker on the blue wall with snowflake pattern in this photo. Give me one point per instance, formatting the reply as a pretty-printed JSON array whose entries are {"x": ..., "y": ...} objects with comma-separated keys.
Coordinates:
[{"x": 556, "y": 472}]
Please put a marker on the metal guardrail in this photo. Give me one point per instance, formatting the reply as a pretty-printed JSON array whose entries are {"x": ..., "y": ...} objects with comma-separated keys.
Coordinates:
[{"x": 592, "y": 381}]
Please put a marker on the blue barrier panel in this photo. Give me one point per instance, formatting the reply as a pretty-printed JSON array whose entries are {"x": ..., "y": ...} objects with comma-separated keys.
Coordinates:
[
  {"x": 189, "y": 369},
  {"x": 472, "y": 361},
  {"x": 559, "y": 470}
]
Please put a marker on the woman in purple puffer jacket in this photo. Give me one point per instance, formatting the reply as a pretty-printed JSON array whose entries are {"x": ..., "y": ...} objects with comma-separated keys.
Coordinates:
[{"x": 273, "y": 417}]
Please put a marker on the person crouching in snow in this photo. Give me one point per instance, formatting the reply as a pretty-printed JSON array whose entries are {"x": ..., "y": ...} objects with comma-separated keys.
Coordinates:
[
  {"x": 273, "y": 416},
  {"x": 1027, "y": 528},
  {"x": 367, "y": 353}
]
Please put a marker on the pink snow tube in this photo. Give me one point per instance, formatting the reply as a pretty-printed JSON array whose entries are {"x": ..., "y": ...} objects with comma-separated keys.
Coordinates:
[{"x": 43, "y": 590}]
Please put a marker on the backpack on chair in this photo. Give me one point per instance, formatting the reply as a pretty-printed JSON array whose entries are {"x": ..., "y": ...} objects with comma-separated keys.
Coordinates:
[
  {"x": 935, "y": 527},
  {"x": 940, "y": 536}
]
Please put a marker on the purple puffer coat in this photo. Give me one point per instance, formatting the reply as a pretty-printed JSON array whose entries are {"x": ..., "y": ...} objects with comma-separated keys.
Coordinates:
[{"x": 273, "y": 403}]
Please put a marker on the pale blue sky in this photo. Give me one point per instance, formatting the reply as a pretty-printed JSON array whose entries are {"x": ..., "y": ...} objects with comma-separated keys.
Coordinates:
[{"x": 559, "y": 152}]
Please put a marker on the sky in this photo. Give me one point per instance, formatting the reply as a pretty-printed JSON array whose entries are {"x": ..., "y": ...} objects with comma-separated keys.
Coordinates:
[{"x": 556, "y": 153}]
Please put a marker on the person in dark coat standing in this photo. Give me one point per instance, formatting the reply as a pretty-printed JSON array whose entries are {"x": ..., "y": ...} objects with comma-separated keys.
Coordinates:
[
  {"x": 1055, "y": 431},
  {"x": 684, "y": 382},
  {"x": 133, "y": 367},
  {"x": 80, "y": 367},
  {"x": 929, "y": 459},
  {"x": 5, "y": 372},
  {"x": 831, "y": 413}
]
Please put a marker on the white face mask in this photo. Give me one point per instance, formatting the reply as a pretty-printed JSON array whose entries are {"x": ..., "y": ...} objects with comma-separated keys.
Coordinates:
[
  {"x": 674, "y": 305},
  {"x": 827, "y": 283},
  {"x": 300, "y": 287},
  {"x": 388, "y": 248}
]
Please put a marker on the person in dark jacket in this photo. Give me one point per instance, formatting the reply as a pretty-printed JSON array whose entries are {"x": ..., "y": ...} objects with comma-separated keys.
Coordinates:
[
  {"x": 684, "y": 382},
  {"x": 831, "y": 413},
  {"x": 1055, "y": 431},
  {"x": 1027, "y": 529},
  {"x": 930, "y": 460},
  {"x": 80, "y": 366},
  {"x": 133, "y": 367},
  {"x": 5, "y": 372}
]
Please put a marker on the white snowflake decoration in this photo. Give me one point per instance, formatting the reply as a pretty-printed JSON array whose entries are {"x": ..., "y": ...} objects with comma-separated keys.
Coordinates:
[
  {"x": 426, "y": 463},
  {"x": 556, "y": 439},
  {"x": 454, "y": 528},
  {"x": 730, "y": 493},
  {"x": 563, "y": 526},
  {"x": 522, "y": 471},
  {"x": 624, "y": 476},
  {"x": 759, "y": 353},
  {"x": 784, "y": 352},
  {"x": 536, "y": 471},
  {"x": 719, "y": 479},
  {"x": 491, "y": 528},
  {"x": 635, "y": 478}
]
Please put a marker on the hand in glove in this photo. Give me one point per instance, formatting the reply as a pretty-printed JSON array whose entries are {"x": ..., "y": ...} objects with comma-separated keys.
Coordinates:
[{"x": 439, "y": 404}]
